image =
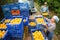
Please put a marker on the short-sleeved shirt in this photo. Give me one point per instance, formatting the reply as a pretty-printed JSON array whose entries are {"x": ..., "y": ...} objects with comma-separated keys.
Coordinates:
[
  {"x": 51, "y": 26},
  {"x": 44, "y": 9}
]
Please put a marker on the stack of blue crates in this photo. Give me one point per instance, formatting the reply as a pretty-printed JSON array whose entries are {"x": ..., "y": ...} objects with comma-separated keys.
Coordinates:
[
  {"x": 6, "y": 11},
  {"x": 23, "y": 7},
  {"x": 16, "y": 30}
]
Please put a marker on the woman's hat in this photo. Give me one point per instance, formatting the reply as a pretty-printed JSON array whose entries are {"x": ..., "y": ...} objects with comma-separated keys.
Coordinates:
[{"x": 56, "y": 18}]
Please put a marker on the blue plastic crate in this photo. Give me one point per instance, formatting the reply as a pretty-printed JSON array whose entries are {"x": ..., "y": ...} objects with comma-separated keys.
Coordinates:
[
  {"x": 33, "y": 30},
  {"x": 16, "y": 26},
  {"x": 24, "y": 13},
  {"x": 6, "y": 10},
  {"x": 16, "y": 33},
  {"x": 9, "y": 37},
  {"x": 23, "y": 6},
  {"x": 7, "y": 13},
  {"x": 16, "y": 38},
  {"x": 31, "y": 27},
  {"x": 6, "y": 7},
  {"x": 14, "y": 6},
  {"x": 40, "y": 26}
]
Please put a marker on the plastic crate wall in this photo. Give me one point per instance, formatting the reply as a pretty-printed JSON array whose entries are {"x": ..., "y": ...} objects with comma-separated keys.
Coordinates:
[
  {"x": 14, "y": 6},
  {"x": 16, "y": 33},
  {"x": 6, "y": 10},
  {"x": 9, "y": 37},
  {"x": 23, "y": 6},
  {"x": 24, "y": 13}
]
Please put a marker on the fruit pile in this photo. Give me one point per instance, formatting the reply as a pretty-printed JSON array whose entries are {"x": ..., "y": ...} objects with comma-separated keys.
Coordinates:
[
  {"x": 16, "y": 21},
  {"x": 40, "y": 21},
  {"x": 6, "y": 20},
  {"x": 2, "y": 33},
  {"x": 3, "y": 26},
  {"x": 37, "y": 35},
  {"x": 32, "y": 24},
  {"x": 45, "y": 13}
]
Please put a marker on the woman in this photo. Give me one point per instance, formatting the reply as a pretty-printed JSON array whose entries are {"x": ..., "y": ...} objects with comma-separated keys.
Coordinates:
[
  {"x": 44, "y": 8},
  {"x": 51, "y": 26}
]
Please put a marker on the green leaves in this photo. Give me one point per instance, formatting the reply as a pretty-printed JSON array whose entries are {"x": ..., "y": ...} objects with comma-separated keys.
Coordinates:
[{"x": 54, "y": 5}]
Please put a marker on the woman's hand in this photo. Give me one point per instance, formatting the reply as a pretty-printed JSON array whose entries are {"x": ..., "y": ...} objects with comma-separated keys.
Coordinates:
[{"x": 46, "y": 26}]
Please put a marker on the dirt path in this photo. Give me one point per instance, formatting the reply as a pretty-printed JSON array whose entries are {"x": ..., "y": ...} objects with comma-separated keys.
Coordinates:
[
  {"x": 29, "y": 37},
  {"x": 55, "y": 37}
]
